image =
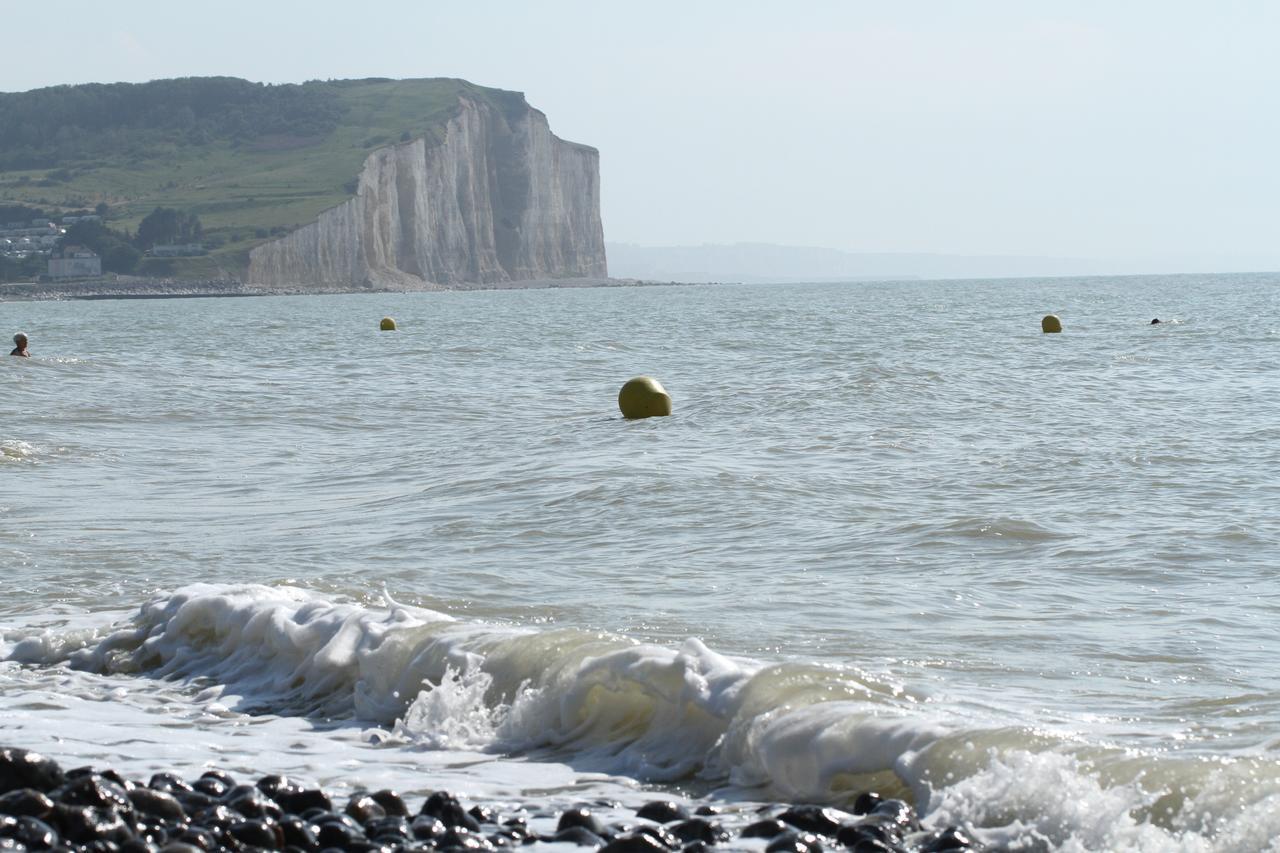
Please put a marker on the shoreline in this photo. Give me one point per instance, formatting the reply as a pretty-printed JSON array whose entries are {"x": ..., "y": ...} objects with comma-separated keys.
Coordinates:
[
  {"x": 141, "y": 288},
  {"x": 43, "y": 806}
]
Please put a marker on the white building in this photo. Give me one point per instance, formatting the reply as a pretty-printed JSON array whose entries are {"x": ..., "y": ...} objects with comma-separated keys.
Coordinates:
[{"x": 76, "y": 262}]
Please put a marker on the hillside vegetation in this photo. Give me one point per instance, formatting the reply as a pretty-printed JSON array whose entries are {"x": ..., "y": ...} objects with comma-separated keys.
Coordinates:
[{"x": 251, "y": 160}]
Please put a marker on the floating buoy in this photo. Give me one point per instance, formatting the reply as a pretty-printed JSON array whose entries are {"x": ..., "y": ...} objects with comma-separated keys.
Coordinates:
[
  {"x": 644, "y": 397},
  {"x": 387, "y": 325},
  {"x": 1051, "y": 323}
]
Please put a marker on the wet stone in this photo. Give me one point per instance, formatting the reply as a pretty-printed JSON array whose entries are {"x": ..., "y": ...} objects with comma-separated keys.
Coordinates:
[
  {"x": 445, "y": 806},
  {"x": 814, "y": 819},
  {"x": 426, "y": 827},
  {"x": 457, "y": 838},
  {"x": 298, "y": 801},
  {"x": 180, "y": 847},
  {"x": 298, "y": 833},
  {"x": 197, "y": 837},
  {"x": 363, "y": 808},
  {"x": 169, "y": 783},
  {"x": 94, "y": 790},
  {"x": 764, "y": 829},
  {"x": 335, "y": 834},
  {"x": 897, "y": 811},
  {"x": 866, "y": 802},
  {"x": 580, "y": 817},
  {"x": 273, "y": 784},
  {"x": 637, "y": 842},
  {"x": 257, "y": 833},
  {"x": 26, "y": 802},
  {"x": 698, "y": 829},
  {"x": 138, "y": 846},
  {"x": 884, "y": 833},
  {"x": 211, "y": 786},
  {"x": 388, "y": 827},
  {"x": 662, "y": 811},
  {"x": 87, "y": 824},
  {"x": 157, "y": 804},
  {"x": 578, "y": 835},
  {"x": 951, "y": 838},
  {"x": 34, "y": 834},
  {"x": 795, "y": 842},
  {"x": 392, "y": 803}
]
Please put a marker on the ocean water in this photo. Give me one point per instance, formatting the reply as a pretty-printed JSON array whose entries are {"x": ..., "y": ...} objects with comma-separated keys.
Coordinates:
[{"x": 892, "y": 538}]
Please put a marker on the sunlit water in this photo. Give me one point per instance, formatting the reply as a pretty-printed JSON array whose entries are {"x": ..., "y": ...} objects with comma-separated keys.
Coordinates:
[{"x": 893, "y": 536}]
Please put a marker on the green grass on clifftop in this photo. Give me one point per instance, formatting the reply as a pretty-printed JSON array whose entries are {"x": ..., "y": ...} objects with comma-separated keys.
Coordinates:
[{"x": 248, "y": 169}]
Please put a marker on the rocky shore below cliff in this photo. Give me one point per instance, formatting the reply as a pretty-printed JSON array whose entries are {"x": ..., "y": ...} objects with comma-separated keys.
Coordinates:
[
  {"x": 154, "y": 288},
  {"x": 44, "y": 807}
]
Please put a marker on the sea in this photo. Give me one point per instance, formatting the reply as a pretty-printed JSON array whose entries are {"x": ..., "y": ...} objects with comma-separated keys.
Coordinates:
[{"x": 893, "y": 537}]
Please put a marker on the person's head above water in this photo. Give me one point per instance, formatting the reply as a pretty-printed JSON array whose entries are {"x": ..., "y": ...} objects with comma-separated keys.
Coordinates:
[
  {"x": 1155, "y": 321},
  {"x": 20, "y": 344}
]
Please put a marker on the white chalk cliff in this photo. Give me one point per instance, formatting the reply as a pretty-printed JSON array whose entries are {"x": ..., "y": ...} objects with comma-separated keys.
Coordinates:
[{"x": 499, "y": 199}]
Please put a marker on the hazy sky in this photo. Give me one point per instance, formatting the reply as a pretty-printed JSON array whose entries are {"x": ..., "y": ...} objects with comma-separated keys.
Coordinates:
[{"x": 1088, "y": 129}]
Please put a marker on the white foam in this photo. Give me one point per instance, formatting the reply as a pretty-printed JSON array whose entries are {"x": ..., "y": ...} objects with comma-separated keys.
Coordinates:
[{"x": 793, "y": 731}]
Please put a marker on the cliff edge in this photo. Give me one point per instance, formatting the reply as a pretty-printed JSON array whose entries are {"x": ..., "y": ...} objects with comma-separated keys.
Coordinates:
[{"x": 498, "y": 198}]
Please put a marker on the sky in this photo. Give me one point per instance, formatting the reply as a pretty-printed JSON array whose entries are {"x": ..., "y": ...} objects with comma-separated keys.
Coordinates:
[{"x": 1066, "y": 129}]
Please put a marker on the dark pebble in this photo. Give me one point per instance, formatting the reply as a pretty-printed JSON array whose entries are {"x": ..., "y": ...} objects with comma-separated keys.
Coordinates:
[
  {"x": 446, "y": 807},
  {"x": 578, "y": 835},
  {"x": 34, "y": 834},
  {"x": 335, "y": 834},
  {"x": 457, "y": 838},
  {"x": 392, "y": 803},
  {"x": 870, "y": 845},
  {"x": 636, "y": 842},
  {"x": 580, "y": 817},
  {"x": 425, "y": 827},
  {"x": 169, "y": 783},
  {"x": 257, "y": 833},
  {"x": 363, "y": 808},
  {"x": 951, "y": 838},
  {"x": 87, "y": 824},
  {"x": 814, "y": 819},
  {"x": 298, "y": 833},
  {"x": 795, "y": 842},
  {"x": 764, "y": 829},
  {"x": 660, "y": 834},
  {"x": 389, "y": 827},
  {"x": 180, "y": 847},
  {"x": 897, "y": 811},
  {"x": 211, "y": 786},
  {"x": 866, "y": 802},
  {"x": 707, "y": 811},
  {"x": 199, "y": 838},
  {"x": 94, "y": 790},
  {"x": 297, "y": 801},
  {"x": 26, "y": 802},
  {"x": 663, "y": 811},
  {"x": 698, "y": 829},
  {"x": 883, "y": 833},
  {"x": 157, "y": 804},
  {"x": 274, "y": 784},
  {"x": 696, "y": 847}
]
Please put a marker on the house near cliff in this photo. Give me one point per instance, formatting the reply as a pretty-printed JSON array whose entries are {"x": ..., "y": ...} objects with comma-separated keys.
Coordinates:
[{"x": 75, "y": 262}]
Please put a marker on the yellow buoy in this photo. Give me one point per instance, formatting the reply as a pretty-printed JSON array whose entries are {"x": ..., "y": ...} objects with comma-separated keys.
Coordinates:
[
  {"x": 644, "y": 397},
  {"x": 1051, "y": 323},
  {"x": 387, "y": 325}
]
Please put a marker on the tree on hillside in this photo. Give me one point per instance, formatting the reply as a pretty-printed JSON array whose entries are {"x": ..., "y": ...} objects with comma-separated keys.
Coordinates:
[
  {"x": 168, "y": 225},
  {"x": 112, "y": 246}
]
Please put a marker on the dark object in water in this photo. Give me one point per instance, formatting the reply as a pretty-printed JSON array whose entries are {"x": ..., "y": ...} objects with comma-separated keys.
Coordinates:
[{"x": 1155, "y": 322}]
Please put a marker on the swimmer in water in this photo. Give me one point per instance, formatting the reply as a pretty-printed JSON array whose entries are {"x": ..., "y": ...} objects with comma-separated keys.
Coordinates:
[
  {"x": 1155, "y": 322},
  {"x": 20, "y": 345}
]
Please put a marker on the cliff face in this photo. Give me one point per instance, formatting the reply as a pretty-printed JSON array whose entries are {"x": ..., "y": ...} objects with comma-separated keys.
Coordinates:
[{"x": 500, "y": 199}]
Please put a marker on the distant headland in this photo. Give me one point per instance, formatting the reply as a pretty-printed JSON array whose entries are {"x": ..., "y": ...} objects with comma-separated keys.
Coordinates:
[{"x": 222, "y": 185}]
